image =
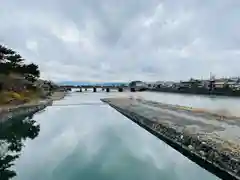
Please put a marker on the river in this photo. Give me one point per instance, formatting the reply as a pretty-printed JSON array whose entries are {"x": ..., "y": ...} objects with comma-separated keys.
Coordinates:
[{"x": 79, "y": 137}]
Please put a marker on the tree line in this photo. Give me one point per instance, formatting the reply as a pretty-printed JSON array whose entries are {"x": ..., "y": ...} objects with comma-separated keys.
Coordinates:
[{"x": 13, "y": 62}]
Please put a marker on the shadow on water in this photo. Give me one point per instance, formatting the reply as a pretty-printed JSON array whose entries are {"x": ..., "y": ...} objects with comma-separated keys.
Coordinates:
[{"x": 12, "y": 135}]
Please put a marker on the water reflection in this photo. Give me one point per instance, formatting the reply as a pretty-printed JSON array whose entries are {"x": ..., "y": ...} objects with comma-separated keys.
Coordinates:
[
  {"x": 12, "y": 137},
  {"x": 88, "y": 141}
]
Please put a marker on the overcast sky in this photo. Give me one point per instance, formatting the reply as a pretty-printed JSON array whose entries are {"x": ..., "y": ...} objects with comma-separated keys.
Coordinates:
[{"x": 122, "y": 40}]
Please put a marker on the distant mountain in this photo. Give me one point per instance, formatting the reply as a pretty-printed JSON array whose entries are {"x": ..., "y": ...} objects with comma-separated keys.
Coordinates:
[{"x": 80, "y": 83}]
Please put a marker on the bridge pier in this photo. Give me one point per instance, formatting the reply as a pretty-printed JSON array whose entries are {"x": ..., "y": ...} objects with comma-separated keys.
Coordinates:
[
  {"x": 108, "y": 89},
  {"x": 120, "y": 89},
  {"x": 80, "y": 90},
  {"x": 94, "y": 89}
]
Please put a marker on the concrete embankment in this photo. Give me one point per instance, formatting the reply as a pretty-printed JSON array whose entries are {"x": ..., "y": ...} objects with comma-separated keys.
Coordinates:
[
  {"x": 10, "y": 112},
  {"x": 210, "y": 140}
]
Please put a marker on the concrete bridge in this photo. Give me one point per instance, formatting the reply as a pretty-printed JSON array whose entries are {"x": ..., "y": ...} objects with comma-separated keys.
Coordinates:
[
  {"x": 108, "y": 88},
  {"x": 132, "y": 86}
]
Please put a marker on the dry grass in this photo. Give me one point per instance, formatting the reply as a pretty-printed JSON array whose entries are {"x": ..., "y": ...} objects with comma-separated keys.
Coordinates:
[
  {"x": 222, "y": 114},
  {"x": 199, "y": 110},
  {"x": 5, "y": 98},
  {"x": 10, "y": 97}
]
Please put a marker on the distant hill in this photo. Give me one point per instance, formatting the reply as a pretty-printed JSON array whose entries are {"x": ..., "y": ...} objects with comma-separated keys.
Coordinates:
[{"x": 80, "y": 83}]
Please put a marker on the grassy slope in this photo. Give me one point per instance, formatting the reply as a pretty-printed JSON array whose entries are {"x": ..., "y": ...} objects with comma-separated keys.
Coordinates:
[
  {"x": 16, "y": 97},
  {"x": 10, "y": 97}
]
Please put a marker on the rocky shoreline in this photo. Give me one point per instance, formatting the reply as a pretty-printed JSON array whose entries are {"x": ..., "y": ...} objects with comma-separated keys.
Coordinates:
[
  {"x": 8, "y": 113},
  {"x": 193, "y": 138}
]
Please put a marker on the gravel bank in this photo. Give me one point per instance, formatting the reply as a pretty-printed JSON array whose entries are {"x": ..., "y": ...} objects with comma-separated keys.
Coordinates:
[
  {"x": 23, "y": 110},
  {"x": 10, "y": 112},
  {"x": 58, "y": 95},
  {"x": 209, "y": 140}
]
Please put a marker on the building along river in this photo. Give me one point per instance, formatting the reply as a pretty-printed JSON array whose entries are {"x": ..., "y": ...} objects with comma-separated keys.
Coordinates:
[{"x": 79, "y": 137}]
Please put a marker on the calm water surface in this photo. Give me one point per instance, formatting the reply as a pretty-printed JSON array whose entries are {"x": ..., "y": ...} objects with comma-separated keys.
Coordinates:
[
  {"x": 89, "y": 140},
  {"x": 228, "y": 105}
]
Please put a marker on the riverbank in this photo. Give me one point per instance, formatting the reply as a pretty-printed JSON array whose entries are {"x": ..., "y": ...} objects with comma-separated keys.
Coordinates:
[
  {"x": 205, "y": 138},
  {"x": 57, "y": 95},
  {"x": 10, "y": 112},
  {"x": 200, "y": 91}
]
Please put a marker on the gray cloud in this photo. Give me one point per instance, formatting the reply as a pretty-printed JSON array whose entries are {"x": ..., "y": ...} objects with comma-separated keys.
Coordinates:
[{"x": 123, "y": 40}]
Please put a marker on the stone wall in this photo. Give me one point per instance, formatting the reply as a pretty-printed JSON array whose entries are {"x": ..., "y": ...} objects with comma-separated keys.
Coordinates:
[{"x": 22, "y": 110}]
